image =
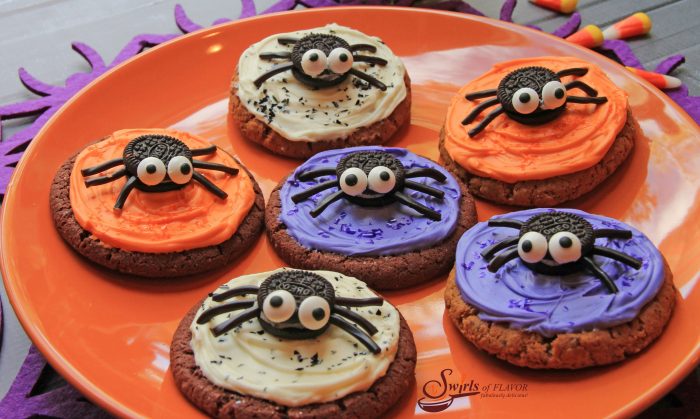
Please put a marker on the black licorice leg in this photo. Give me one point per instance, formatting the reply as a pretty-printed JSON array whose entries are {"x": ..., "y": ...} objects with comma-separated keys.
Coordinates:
[
  {"x": 208, "y": 185},
  {"x": 577, "y": 71},
  {"x": 618, "y": 256},
  {"x": 502, "y": 259},
  {"x": 287, "y": 40},
  {"x": 224, "y": 308},
  {"x": 505, "y": 222},
  {"x": 235, "y": 292},
  {"x": 204, "y": 151},
  {"x": 358, "y": 302},
  {"x": 273, "y": 55},
  {"x": 480, "y": 94},
  {"x": 363, "y": 47},
  {"x": 477, "y": 110},
  {"x": 101, "y": 167},
  {"x": 325, "y": 203},
  {"x": 272, "y": 72},
  {"x": 420, "y": 187},
  {"x": 495, "y": 248},
  {"x": 412, "y": 203},
  {"x": 236, "y": 321},
  {"x": 313, "y": 174},
  {"x": 578, "y": 84},
  {"x": 126, "y": 190},
  {"x": 600, "y": 274},
  {"x": 367, "y": 59},
  {"x": 356, "y": 333},
  {"x": 612, "y": 233},
  {"x": 313, "y": 191},
  {"x": 426, "y": 172},
  {"x": 214, "y": 166},
  {"x": 106, "y": 179},
  {"x": 579, "y": 99},
  {"x": 484, "y": 122},
  {"x": 369, "y": 79},
  {"x": 357, "y": 318}
]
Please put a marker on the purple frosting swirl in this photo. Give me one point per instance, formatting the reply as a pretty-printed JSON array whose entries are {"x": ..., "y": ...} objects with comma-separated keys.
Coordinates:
[
  {"x": 354, "y": 230},
  {"x": 550, "y": 305}
]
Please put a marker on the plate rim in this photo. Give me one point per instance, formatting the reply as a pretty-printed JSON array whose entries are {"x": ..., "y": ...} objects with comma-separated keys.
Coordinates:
[{"x": 104, "y": 400}]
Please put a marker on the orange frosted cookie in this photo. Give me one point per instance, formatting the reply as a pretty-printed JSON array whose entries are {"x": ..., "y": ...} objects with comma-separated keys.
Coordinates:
[
  {"x": 156, "y": 202},
  {"x": 537, "y": 131}
]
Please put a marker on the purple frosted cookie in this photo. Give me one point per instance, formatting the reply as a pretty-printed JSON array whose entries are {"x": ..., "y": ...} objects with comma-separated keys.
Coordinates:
[
  {"x": 384, "y": 215},
  {"x": 547, "y": 288}
]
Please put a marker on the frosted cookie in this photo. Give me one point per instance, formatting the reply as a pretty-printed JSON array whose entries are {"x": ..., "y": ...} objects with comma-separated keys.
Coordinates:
[
  {"x": 303, "y": 92},
  {"x": 559, "y": 289},
  {"x": 290, "y": 343}
]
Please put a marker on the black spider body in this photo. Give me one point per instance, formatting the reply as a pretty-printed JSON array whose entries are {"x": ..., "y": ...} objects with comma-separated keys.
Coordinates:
[
  {"x": 531, "y": 96},
  {"x": 373, "y": 179},
  {"x": 322, "y": 60},
  {"x": 557, "y": 243},
  {"x": 157, "y": 163},
  {"x": 295, "y": 304}
]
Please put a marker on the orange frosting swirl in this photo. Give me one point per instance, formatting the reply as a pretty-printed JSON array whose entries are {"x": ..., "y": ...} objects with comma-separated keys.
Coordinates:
[
  {"x": 159, "y": 222},
  {"x": 509, "y": 151}
]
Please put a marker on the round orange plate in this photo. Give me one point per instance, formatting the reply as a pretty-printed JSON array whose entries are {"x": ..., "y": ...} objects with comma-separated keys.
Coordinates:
[{"x": 109, "y": 335}]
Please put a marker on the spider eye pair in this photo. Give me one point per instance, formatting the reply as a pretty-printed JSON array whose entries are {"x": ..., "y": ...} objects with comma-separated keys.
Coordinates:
[
  {"x": 151, "y": 171},
  {"x": 354, "y": 181},
  {"x": 314, "y": 61},
  {"x": 563, "y": 247},
  {"x": 526, "y": 100},
  {"x": 280, "y": 306}
]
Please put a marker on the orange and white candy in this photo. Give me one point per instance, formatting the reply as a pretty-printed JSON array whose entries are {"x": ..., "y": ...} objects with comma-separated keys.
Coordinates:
[
  {"x": 561, "y": 6},
  {"x": 635, "y": 25},
  {"x": 590, "y": 37},
  {"x": 662, "y": 81}
]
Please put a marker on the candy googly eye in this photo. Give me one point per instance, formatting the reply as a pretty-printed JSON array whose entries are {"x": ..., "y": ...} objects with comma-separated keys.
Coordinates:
[
  {"x": 353, "y": 181},
  {"x": 180, "y": 170},
  {"x": 313, "y": 62},
  {"x": 525, "y": 100},
  {"x": 314, "y": 312},
  {"x": 279, "y": 306},
  {"x": 532, "y": 247},
  {"x": 381, "y": 179},
  {"x": 565, "y": 247},
  {"x": 151, "y": 171},
  {"x": 553, "y": 95},
  {"x": 340, "y": 60}
]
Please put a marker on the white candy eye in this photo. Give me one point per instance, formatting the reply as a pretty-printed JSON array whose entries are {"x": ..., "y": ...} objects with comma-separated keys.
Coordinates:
[
  {"x": 525, "y": 100},
  {"x": 279, "y": 306},
  {"x": 340, "y": 60},
  {"x": 353, "y": 181},
  {"x": 553, "y": 95},
  {"x": 532, "y": 247},
  {"x": 381, "y": 179},
  {"x": 151, "y": 171},
  {"x": 314, "y": 312},
  {"x": 180, "y": 170},
  {"x": 565, "y": 247},
  {"x": 313, "y": 62}
]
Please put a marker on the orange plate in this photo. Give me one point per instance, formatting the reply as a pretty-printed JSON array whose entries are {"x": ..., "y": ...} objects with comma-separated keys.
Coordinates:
[{"x": 109, "y": 335}]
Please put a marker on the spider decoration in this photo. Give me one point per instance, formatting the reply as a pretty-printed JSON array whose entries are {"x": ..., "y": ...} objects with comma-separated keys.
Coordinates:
[
  {"x": 557, "y": 243},
  {"x": 157, "y": 163},
  {"x": 322, "y": 60},
  {"x": 372, "y": 179},
  {"x": 531, "y": 96},
  {"x": 295, "y": 304}
]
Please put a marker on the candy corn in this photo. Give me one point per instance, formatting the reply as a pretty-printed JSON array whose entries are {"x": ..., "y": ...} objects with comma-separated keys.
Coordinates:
[
  {"x": 561, "y": 6},
  {"x": 635, "y": 25},
  {"x": 590, "y": 37},
  {"x": 661, "y": 81}
]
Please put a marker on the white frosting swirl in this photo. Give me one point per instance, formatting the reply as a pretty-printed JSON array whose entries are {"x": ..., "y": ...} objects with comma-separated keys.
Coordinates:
[
  {"x": 295, "y": 372},
  {"x": 298, "y": 112}
]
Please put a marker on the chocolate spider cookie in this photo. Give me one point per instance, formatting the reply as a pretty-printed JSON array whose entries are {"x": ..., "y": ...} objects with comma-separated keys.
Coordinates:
[
  {"x": 559, "y": 289},
  {"x": 383, "y": 215},
  {"x": 330, "y": 87},
  {"x": 291, "y": 343},
  {"x": 537, "y": 131},
  {"x": 156, "y": 203}
]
